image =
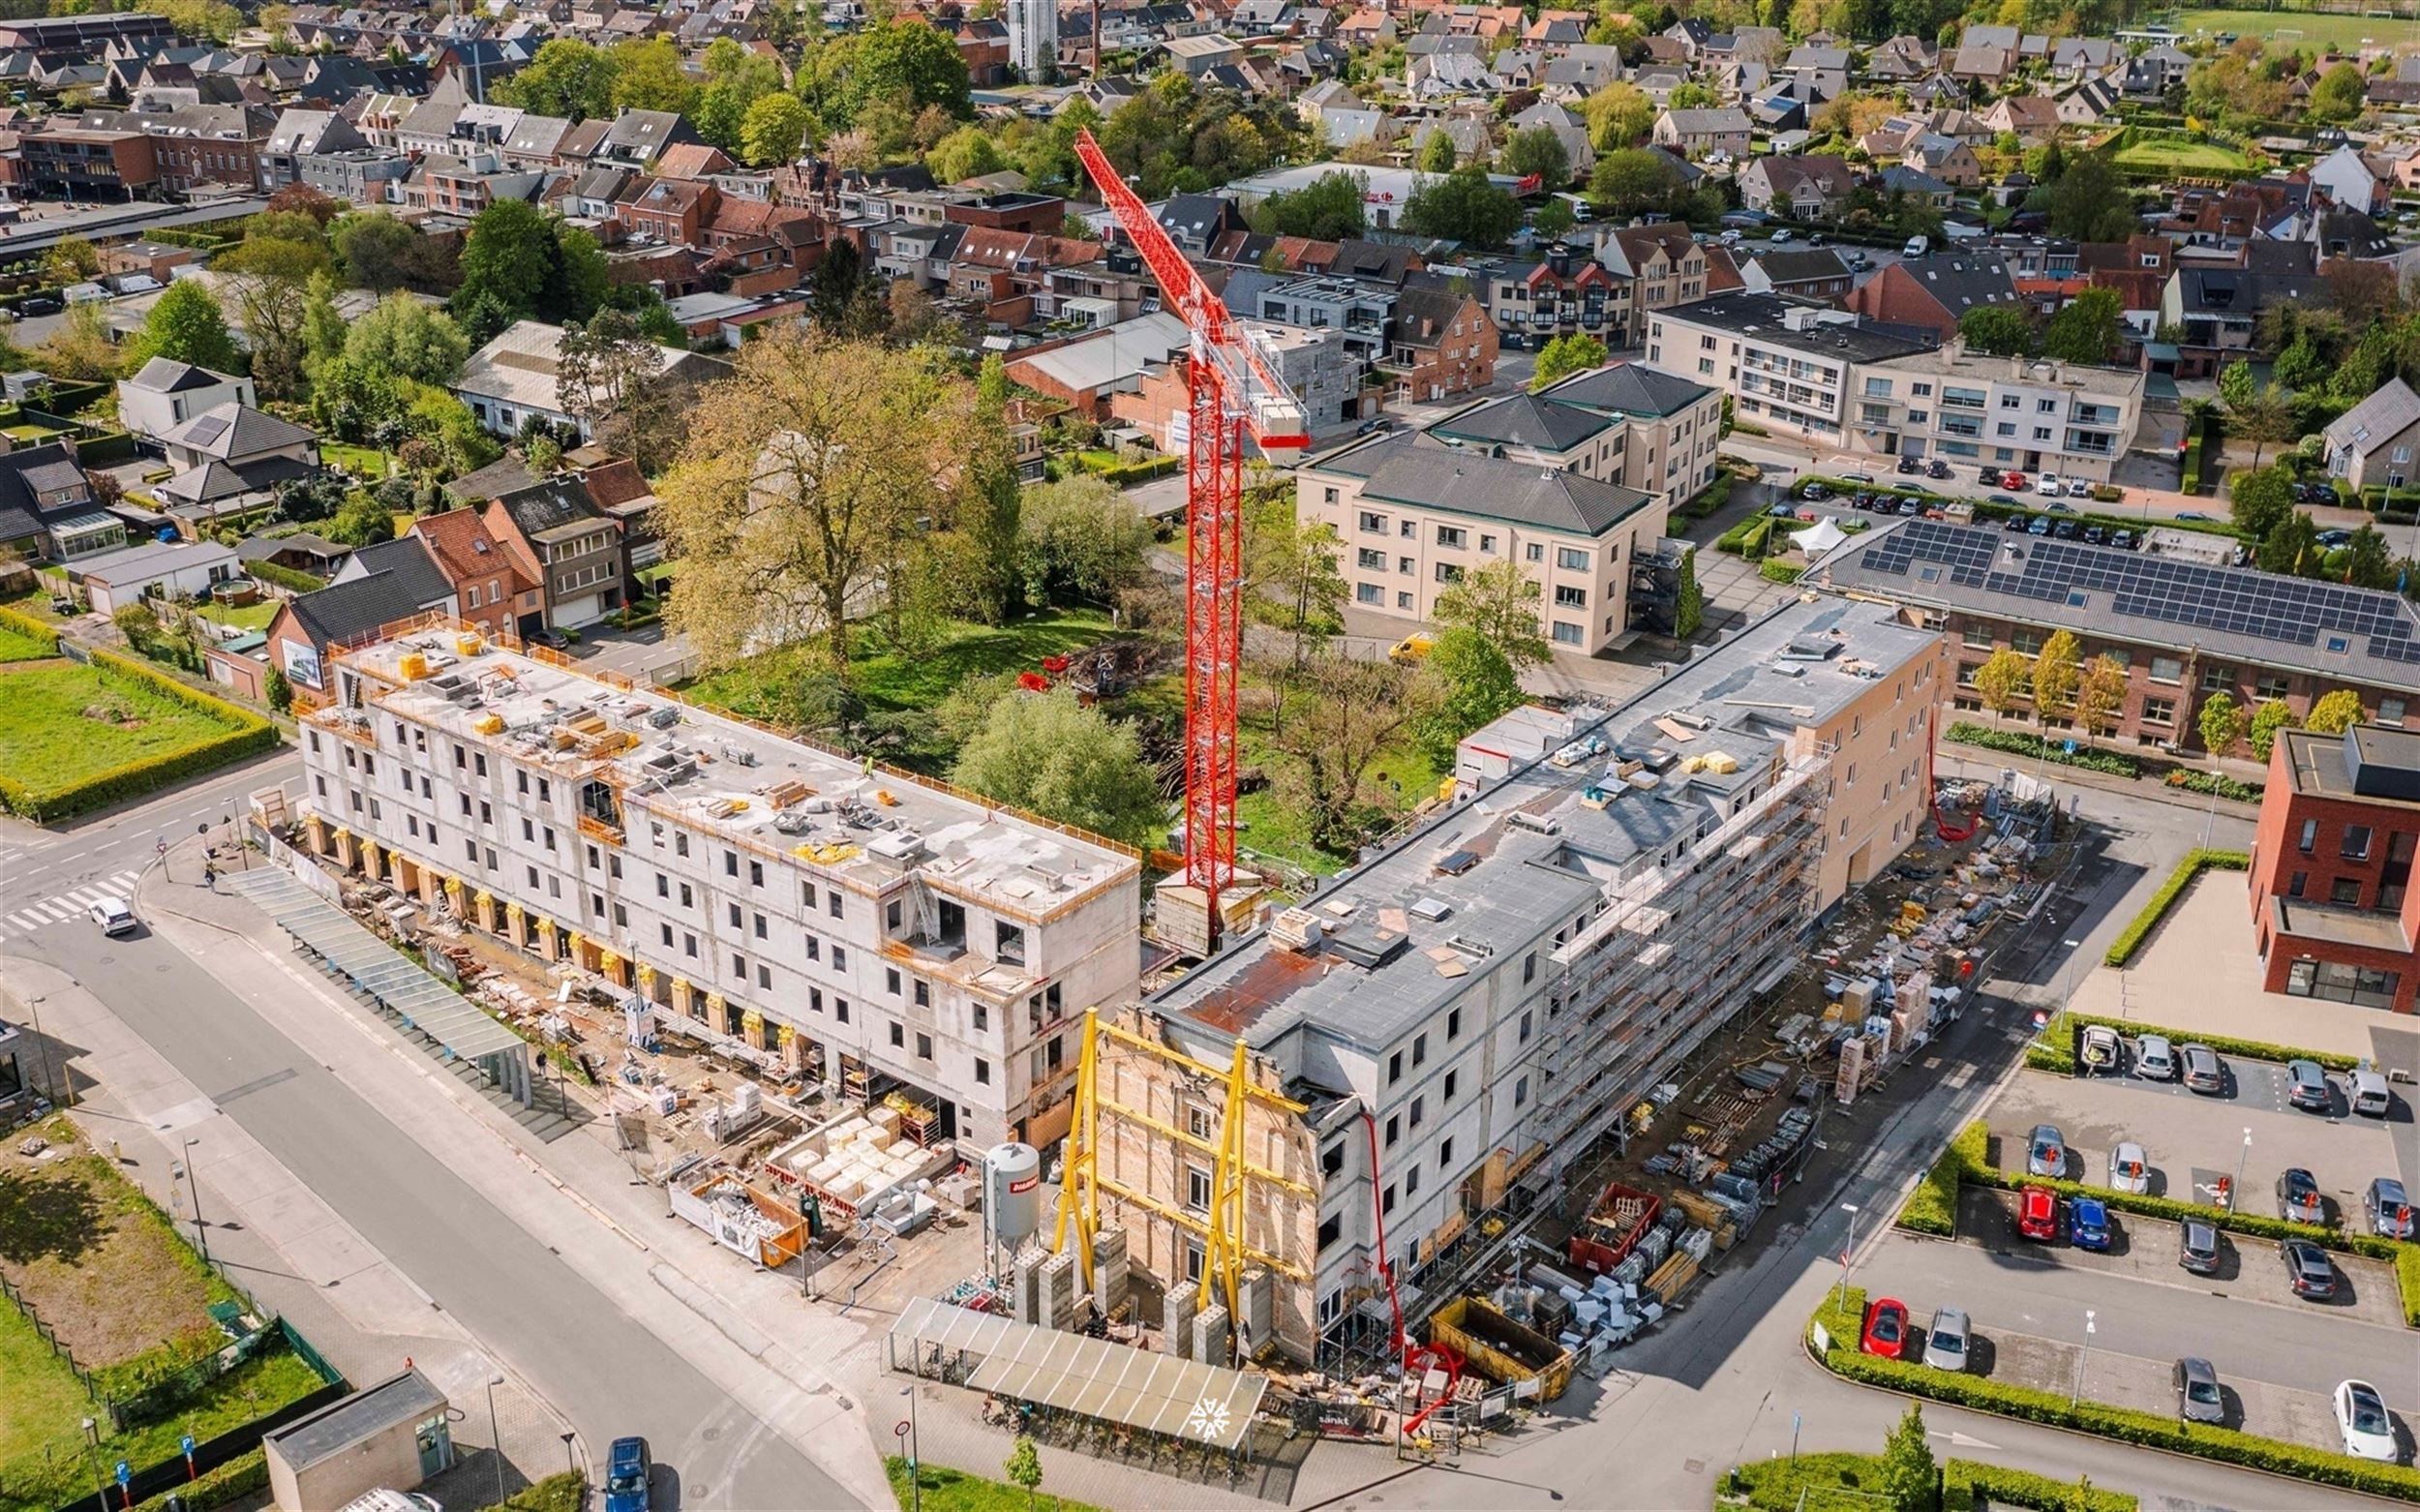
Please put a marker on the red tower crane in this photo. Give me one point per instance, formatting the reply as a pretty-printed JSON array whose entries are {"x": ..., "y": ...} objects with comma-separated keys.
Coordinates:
[{"x": 1233, "y": 393}]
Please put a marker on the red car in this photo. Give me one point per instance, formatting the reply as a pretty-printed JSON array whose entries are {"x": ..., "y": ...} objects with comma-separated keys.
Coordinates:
[
  {"x": 2012, "y": 480},
  {"x": 2038, "y": 1214},
  {"x": 1885, "y": 1328}
]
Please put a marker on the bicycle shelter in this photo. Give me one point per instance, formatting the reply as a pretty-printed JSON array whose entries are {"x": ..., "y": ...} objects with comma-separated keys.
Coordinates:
[{"x": 1185, "y": 1401}]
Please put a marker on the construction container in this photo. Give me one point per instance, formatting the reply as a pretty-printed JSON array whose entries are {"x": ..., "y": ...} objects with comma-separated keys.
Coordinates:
[
  {"x": 1623, "y": 1214},
  {"x": 1500, "y": 1350}
]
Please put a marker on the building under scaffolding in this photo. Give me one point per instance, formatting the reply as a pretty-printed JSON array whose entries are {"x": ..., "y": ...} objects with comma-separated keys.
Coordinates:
[{"x": 1426, "y": 1048}]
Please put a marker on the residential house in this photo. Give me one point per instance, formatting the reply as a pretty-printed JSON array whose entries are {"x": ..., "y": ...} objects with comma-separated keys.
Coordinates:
[
  {"x": 512, "y": 379},
  {"x": 2090, "y": 103},
  {"x": 1946, "y": 158},
  {"x": 1980, "y": 63},
  {"x": 1914, "y": 185},
  {"x": 2373, "y": 444},
  {"x": 2334, "y": 914},
  {"x": 114, "y": 580},
  {"x": 1902, "y": 58},
  {"x": 2158, "y": 69},
  {"x": 2082, "y": 57},
  {"x": 1196, "y": 56},
  {"x": 2032, "y": 119},
  {"x": 560, "y": 540},
  {"x": 1664, "y": 265},
  {"x": 1569, "y": 126},
  {"x": 1441, "y": 344},
  {"x": 1815, "y": 273},
  {"x": 310, "y": 627},
  {"x": 1796, "y": 186},
  {"x": 2348, "y": 179},
  {"x": 2218, "y": 310},
  {"x": 299, "y": 135},
  {"x": 87, "y": 157},
  {"x": 1563, "y": 293},
  {"x": 1935, "y": 292},
  {"x": 165, "y": 393},
  {"x": 1819, "y": 73},
  {"x": 1697, "y": 133}
]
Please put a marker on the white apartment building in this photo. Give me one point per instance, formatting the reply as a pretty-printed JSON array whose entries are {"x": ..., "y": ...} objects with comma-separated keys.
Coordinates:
[
  {"x": 1034, "y": 38},
  {"x": 1876, "y": 388},
  {"x": 867, "y": 929}
]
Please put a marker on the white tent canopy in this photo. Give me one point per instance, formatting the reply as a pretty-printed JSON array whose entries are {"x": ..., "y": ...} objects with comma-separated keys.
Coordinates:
[{"x": 1820, "y": 537}]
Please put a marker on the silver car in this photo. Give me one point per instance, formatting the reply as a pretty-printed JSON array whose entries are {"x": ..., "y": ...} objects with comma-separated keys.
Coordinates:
[
  {"x": 2046, "y": 1151},
  {"x": 2203, "y": 1070},
  {"x": 1945, "y": 1342},
  {"x": 2155, "y": 1059},
  {"x": 2130, "y": 1168},
  {"x": 2388, "y": 1209},
  {"x": 2197, "y": 1395}
]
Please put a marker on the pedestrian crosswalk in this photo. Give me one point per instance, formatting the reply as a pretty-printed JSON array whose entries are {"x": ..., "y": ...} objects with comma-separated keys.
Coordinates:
[{"x": 73, "y": 903}]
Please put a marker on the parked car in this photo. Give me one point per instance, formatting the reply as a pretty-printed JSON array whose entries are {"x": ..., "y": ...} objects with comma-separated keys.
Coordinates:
[
  {"x": 1937, "y": 469},
  {"x": 1909, "y": 504},
  {"x": 2017, "y": 524},
  {"x": 626, "y": 1467},
  {"x": 2088, "y": 1223},
  {"x": 2361, "y": 1418},
  {"x": 2013, "y": 479},
  {"x": 2197, "y": 1247},
  {"x": 1784, "y": 511},
  {"x": 2307, "y": 1270},
  {"x": 2204, "y": 1072},
  {"x": 113, "y": 914},
  {"x": 2155, "y": 1059},
  {"x": 2332, "y": 539},
  {"x": 2196, "y": 517},
  {"x": 2038, "y": 525},
  {"x": 2095, "y": 534},
  {"x": 1910, "y": 465},
  {"x": 2100, "y": 1049},
  {"x": 2048, "y": 484},
  {"x": 2324, "y": 493},
  {"x": 2038, "y": 1214},
  {"x": 2123, "y": 540},
  {"x": 1782, "y": 234},
  {"x": 1885, "y": 1328},
  {"x": 2387, "y": 1208},
  {"x": 1945, "y": 1342},
  {"x": 2298, "y": 1198},
  {"x": 2046, "y": 1151},
  {"x": 2197, "y": 1395},
  {"x": 1814, "y": 492},
  {"x": 2067, "y": 529},
  {"x": 2079, "y": 488},
  {"x": 2307, "y": 1085},
  {"x": 2130, "y": 1168}
]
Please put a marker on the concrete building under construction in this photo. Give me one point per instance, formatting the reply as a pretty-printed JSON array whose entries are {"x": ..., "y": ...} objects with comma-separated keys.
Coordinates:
[{"x": 1425, "y": 1048}]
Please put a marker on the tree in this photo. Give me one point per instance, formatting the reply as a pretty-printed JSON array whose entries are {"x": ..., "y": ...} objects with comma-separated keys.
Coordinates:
[
  {"x": 402, "y": 336},
  {"x": 435, "y": 419},
  {"x": 2100, "y": 695},
  {"x": 580, "y": 277},
  {"x": 2222, "y": 722},
  {"x": 736, "y": 80},
  {"x": 840, "y": 297},
  {"x": 2235, "y": 384},
  {"x": 2057, "y": 672},
  {"x": 773, "y": 129},
  {"x": 2090, "y": 202},
  {"x": 2273, "y": 714},
  {"x": 809, "y": 489},
  {"x": 2335, "y": 713},
  {"x": 81, "y": 347},
  {"x": 1342, "y": 712},
  {"x": 2087, "y": 331},
  {"x": 648, "y": 75},
  {"x": 1553, "y": 219},
  {"x": 906, "y": 60},
  {"x": 2266, "y": 419},
  {"x": 1999, "y": 680},
  {"x": 968, "y": 152},
  {"x": 1291, "y": 576},
  {"x": 996, "y": 502},
  {"x": 565, "y": 78},
  {"x": 1328, "y": 208},
  {"x": 608, "y": 375},
  {"x": 1469, "y": 683},
  {"x": 373, "y": 249},
  {"x": 2300, "y": 366},
  {"x": 1050, "y": 755},
  {"x": 1694, "y": 96},
  {"x": 1633, "y": 180},
  {"x": 186, "y": 325},
  {"x": 1498, "y": 601},
  {"x": 1438, "y": 154},
  {"x": 71, "y": 259},
  {"x": 507, "y": 257},
  {"x": 1537, "y": 152},
  {"x": 1079, "y": 539},
  {"x": 1463, "y": 207},
  {"x": 2258, "y": 500},
  {"x": 2367, "y": 561},
  {"x": 2339, "y": 95},
  {"x": 1618, "y": 116},
  {"x": 362, "y": 522},
  {"x": 1909, "y": 1478},
  {"x": 1997, "y": 330},
  {"x": 279, "y": 692},
  {"x": 1025, "y": 1467},
  {"x": 1575, "y": 351},
  {"x": 2292, "y": 546}
]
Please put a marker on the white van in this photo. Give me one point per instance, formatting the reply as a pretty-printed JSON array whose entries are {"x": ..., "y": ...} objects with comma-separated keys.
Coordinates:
[
  {"x": 1917, "y": 247},
  {"x": 2370, "y": 1096},
  {"x": 388, "y": 1499}
]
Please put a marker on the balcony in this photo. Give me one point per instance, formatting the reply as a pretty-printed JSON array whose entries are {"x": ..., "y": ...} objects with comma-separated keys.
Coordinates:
[{"x": 599, "y": 829}]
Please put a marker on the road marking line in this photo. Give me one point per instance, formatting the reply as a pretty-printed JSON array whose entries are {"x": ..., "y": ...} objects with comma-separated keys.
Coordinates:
[
  {"x": 27, "y": 920},
  {"x": 126, "y": 879},
  {"x": 85, "y": 897},
  {"x": 57, "y": 912}
]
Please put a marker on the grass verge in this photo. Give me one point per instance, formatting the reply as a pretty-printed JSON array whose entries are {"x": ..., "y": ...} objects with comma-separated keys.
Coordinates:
[
  {"x": 1840, "y": 1482},
  {"x": 955, "y": 1490},
  {"x": 565, "y": 1491},
  {"x": 888, "y": 681},
  {"x": 75, "y": 738},
  {"x": 2139, "y": 929}
]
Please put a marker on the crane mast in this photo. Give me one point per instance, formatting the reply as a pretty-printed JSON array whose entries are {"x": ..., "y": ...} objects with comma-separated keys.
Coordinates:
[{"x": 1232, "y": 394}]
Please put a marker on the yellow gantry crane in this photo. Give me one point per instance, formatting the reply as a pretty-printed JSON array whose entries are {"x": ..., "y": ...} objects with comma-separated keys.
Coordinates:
[{"x": 1222, "y": 1231}]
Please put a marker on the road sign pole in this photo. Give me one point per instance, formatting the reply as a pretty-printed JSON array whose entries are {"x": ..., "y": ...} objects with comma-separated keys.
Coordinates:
[{"x": 186, "y": 1445}]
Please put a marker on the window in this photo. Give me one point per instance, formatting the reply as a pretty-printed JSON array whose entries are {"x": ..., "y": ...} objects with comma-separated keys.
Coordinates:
[
  {"x": 1420, "y": 1043},
  {"x": 1452, "y": 536},
  {"x": 1535, "y": 551},
  {"x": 1411, "y": 1181},
  {"x": 1568, "y": 597},
  {"x": 1370, "y": 560},
  {"x": 1419, "y": 1111},
  {"x": 2167, "y": 669},
  {"x": 2391, "y": 711},
  {"x": 2346, "y": 892},
  {"x": 1566, "y": 633},
  {"x": 1487, "y": 543},
  {"x": 898, "y": 1034},
  {"x": 2309, "y": 837},
  {"x": 1451, "y": 1078},
  {"x": 924, "y": 1047},
  {"x": 740, "y": 966},
  {"x": 1369, "y": 592},
  {"x": 1571, "y": 558},
  {"x": 2296, "y": 883},
  {"x": 2269, "y": 686},
  {"x": 1453, "y": 1024},
  {"x": 1386, "y": 1205},
  {"x": 1449, "y": 572},
  {"x": 1395, "y": 1068},
  {"x": 1375, "y": 523},
  {"x": 2217, "y": 677},
  {"x": 2160, "y": 711},
  {"x": 1196, "y": 1189},
  {"x": 1525, "y": 1026},
  {"x": 1394, "y": 1128},
  {"x": 890, "y": 980},
  {"x": 764, "y": 976},
  {"x": 734, "y": 915},
  {"x": 2356, "y": 846},
  {"x": 1444, "y": 1155}
]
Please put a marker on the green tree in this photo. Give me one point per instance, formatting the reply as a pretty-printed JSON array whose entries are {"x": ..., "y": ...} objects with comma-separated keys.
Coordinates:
[
  {"x": 2339, "y": 95},
  {"x": 579, "y": 276},
  {"x": 1694, "y": 96},
  {"x": 1079, "y": 540},
  {"x": 1537, "y": 152},
  {"x": 81, "y": 347},
  {"x": 507, "y": 256},
  {"x": 2273, "y": 714},
  {"x": 1909, "y": 1478},
  {"x": 1618, "y": 116},
  {"x": 2235, "y": 384},
  {"x": 276, "y": 690},
  {"x": 1499, "y": 602},
  {"x": 2086, "y": 330},
  {"x": 1633, "y": 180},
  {"x": 1438, "y": 154},
  {"x": 2057, "y": 673},
  {"x": 1553, "y": 219},
  {"x": 648, "y": 75},
  {"x": 1344, "y": 711},
  {"x": 906, "y": 61},
  {"x": 774, "y": 129},
  {"x": 1469, "y": 683},
  {"x": 997, "y": 499},
  {"x": 2335, "y": 713},
  {"x": 736, "y": 80},
  {"x": 1997, "y": 330},
  {"x": 186, "y": 324},
  {"x": 1328, "y": 208},
  {"x": 565, "y": 78},
  {"x": 2301, "y": 365},
  {"x": 2090, "y": 202},
  {"x": 1025, "y": 1467},
  {"x": 2222, "y": 722},
  {"x": 373, "y": 249},
  {"x": 1463, "y": 207},
  {"x": 1563, "y": 355},
  {"x": 2266, "y": 419},
  {"x": 71, "y": 259},
  {"x": 2366, "y": 560},
  {"x": 402, "y": 336},
  {"x": 2001, "y": 679},
  {"x": 1050, "y": 755},
  {"x": 968, "y": 152},
  {"x": 2257, "y": 500},
  {"x": 362, "y": 522},
  {"x": 1689, "y": 611},
  {"x": 2292, "y": 546}
]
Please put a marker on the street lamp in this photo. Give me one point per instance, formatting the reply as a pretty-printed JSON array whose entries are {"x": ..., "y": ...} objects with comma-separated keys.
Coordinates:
[
  {"x": 42, "y": 1050},
  {"x": 2078, "y": 1394},
  {"x": 2066, "y": 978},
  {"x": 194, "y": 1185},
  {"x": 494, "y": 1437},
  {"x": 92, "y": 1442},
  {"x": 2234, "y": 1203},
  {"x": 1846, "y": 1249},
  {"x": 915, "y": 1466}
]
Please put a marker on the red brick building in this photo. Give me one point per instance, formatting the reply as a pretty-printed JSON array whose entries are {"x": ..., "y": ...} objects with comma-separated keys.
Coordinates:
[
  {"x": 1442, "y": 345},
  {"x": 2332, "y": 908}
]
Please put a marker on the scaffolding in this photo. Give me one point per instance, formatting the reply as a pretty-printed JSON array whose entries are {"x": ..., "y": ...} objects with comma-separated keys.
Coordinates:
[{"x": 1672, "y": 954}]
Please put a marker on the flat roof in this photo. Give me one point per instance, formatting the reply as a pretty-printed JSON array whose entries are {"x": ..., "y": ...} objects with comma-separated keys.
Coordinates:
[
  {"x": 800, "y": 802},
  {"x": 335, "y": 1429},
  {"x": 2365, "y": 929},
  {"x": 2040, "y": 372},
  {"x": 2316, "y": 762},
  {"x": 1817, "y": 330},
  {"x": 1755, "y": 691}
]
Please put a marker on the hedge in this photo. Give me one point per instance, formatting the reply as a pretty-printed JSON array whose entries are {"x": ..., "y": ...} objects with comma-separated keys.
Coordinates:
[
  {"x": 1997, "y": 1485},
  {"x": 1984, "y": 509},
  {"x": 26, "y": 624},
  {"x": 236, "y": 1479},
  {"x": 285, "y": 577},
  {"x": 1932, "y": 1208},
  {"x": 2407, "y": 1282},
  {"x": 1782, "y": 572},
  {"x": 2131, "y": 939},
  {"x": 2193, "y": 780},
  {"x": 2224, "y": 1044},
  {"x": 2017, "y": 742},
  {"x": 1774, "y": 1486},
  {"x": 246, "y": 734},
  {"x": 1843, "y": 1322}
]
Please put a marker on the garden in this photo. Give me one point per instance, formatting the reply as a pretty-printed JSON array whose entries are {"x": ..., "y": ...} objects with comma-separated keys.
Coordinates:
[{"x": 2178, "y": 156}]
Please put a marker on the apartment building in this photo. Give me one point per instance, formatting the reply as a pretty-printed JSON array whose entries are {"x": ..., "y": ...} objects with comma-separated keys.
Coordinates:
[
  {"x": 1414, "y": 512},
  {"x": 2184, "y": 630},
  {"x": 88, "y": 158},
  {"x": 2332, "y": 910},
  {"x": 862, "y": 926},
  {"x": 1791, "y": 366},
  {"x": 1665, "y": 266},
  {"x": 1624, "y": 423},
  {"x": 1453, "y": 1027}
]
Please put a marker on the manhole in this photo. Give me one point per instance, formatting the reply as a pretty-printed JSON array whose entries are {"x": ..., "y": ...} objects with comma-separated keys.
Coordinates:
[
  {"x": 1694, "y": 1467},
  {"x": 710, "y": 1433}
]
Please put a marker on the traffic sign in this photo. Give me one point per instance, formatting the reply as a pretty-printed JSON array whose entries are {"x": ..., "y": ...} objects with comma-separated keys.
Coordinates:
[
  {"x": 126, "y": 1472},
  {"x": 185, "y": 1445},
  {"x": 902, "y": 1429},
  {"x": 2069, "y": 747}
]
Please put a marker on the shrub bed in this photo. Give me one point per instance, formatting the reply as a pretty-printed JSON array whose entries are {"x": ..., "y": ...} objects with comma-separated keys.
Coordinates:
[
  {"x": 2139, "y": 929},
  {"x": 2017, "y": 742},
  {"x": 286, "y": 577},
  {"x": 1841, "y": 1356},
  {"x": 1782, "y": 572},
  {"x": 236, "y": 1479},
  {"x": 2224, "y": 1044},
  {"x": 1966, "y": 1486},
  {"x": 2193, "y": 780},
  {"x": 1932, "y": 1208}
]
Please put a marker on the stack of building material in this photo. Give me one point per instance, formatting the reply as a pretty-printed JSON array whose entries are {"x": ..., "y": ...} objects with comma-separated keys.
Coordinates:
[
  {"x": 1060, "y": 1303},
  {"x": 1027, "y": 1287},
  {"x": 1178, "y": 1320},
  {"x": 1108, "y": 1269},
  {"x": 1212, "y": 1344}
]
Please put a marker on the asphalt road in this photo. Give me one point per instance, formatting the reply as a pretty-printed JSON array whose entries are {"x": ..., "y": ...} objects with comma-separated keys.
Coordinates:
[
  {"x": 41, "y": 867},
  {"x": 600, "y": 1367}
]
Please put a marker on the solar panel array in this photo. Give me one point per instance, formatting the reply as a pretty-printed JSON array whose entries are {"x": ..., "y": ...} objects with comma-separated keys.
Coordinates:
[{"x": 2231, "y": 600}]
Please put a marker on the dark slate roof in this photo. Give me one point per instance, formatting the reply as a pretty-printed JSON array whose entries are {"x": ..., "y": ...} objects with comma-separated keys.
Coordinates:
[
  {"x": 1791, "y": 268},
  {"x": 16, "y": 525},
  {"x": 1959, "y": 282},
  {"x": 168, "y": 376},
  {"x": 1410, "y": 470},
  {"x": 2232, "y": 292},
  {"x": 350, "y": 610},
  {"x": 1524, "y": 420},
  {"x": 1761, "y": 316},
  {"x": 407, "y": 559},
  {"x": 20, "y": 469},
  {"x": 504, "y": 475},
  {"x": 558, "y": 500},
  {"x": 1629, "y": 388}
]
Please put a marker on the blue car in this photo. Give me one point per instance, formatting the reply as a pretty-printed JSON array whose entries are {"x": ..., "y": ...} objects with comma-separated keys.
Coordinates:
[
  {"x": 2088, "y": 1223},
  {"x": 626, "y": 1467}
]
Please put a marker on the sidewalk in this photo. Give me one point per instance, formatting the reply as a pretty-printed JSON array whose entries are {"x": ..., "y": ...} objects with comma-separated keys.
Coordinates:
[
  {"x": 274, "y": 1239},
  {"x": 763, "y": 1349}
]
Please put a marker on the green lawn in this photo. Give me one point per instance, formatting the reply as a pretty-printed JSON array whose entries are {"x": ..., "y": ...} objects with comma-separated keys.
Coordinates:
[
  {"x": 2176, "y": 155},
  {"x": 247, "y": 617},
  {"x": 18, "y": 646},
  {"x": 940, "y": 1490},
  {"x": 889, "y": 681},
  {"x": 38, "y": 1395},
  {"x": 362, "y": 460},
  {"x": 61, "y": 725},
  {"x": 2302, "y": 28}
]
